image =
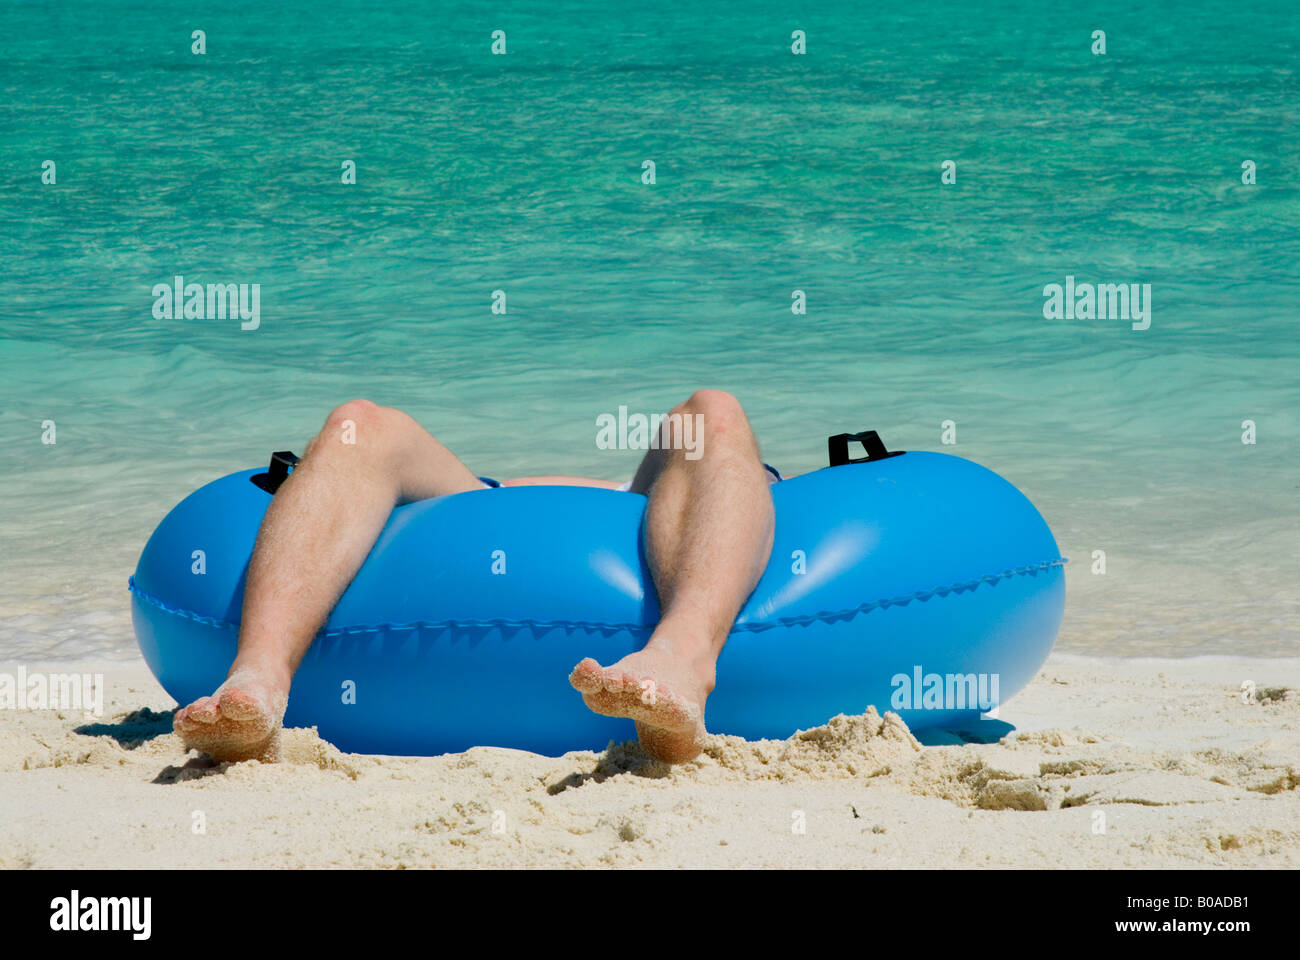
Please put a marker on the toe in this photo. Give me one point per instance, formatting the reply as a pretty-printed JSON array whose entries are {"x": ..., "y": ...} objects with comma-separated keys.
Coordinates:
[
  {"x": 587, "y": 676},
  {"x": 203, "y": 710},
  {"x": 238, "y": 705},
  {"x": 614, "y": 680}
]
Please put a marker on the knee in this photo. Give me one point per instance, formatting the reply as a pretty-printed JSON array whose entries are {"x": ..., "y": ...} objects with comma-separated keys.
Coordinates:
[
  {"x": 361, "y": 422},
  {"x": 721, "y": 411},
  {"x": 355, "y": 415}
]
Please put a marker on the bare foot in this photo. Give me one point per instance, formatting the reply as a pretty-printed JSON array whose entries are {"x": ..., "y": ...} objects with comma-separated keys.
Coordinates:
[
  {"x": 663, "y": 693},
  {"x": 240, "y": 721}
]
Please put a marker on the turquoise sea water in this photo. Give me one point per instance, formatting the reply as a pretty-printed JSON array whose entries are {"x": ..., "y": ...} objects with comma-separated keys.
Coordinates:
[{"x": 774, "y": 173}]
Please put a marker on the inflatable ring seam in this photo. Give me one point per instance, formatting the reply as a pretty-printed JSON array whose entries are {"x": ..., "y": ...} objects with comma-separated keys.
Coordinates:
[{"x": 825, "y": 616}]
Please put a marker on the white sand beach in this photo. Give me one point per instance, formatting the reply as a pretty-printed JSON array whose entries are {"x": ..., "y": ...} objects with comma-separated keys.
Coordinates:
[{"x": 1114, "y": 763}]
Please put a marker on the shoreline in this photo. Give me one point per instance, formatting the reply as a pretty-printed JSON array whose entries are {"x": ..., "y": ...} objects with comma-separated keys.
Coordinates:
[{"x": 1114, "y": 762}]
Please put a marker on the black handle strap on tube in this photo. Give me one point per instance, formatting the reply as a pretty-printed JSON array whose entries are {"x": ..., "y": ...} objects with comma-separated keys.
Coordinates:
[
  {"x": 282, "y": 462},
  {"x": 838, "y": 448}
]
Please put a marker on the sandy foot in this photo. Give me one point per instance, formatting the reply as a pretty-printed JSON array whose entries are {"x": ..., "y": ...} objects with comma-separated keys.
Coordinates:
[
  {"x": 240, "y": 721},
  {"x": 664, "y": 696}
]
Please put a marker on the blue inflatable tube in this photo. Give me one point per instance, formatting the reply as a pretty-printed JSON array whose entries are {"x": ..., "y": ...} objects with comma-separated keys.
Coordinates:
[{"x": 917, "y": 582}]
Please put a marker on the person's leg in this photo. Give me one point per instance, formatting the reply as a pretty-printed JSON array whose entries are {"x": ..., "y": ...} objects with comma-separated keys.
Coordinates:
[
  {"x": 708, "y": 530},
  {"x": 316, "y": 534}
]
